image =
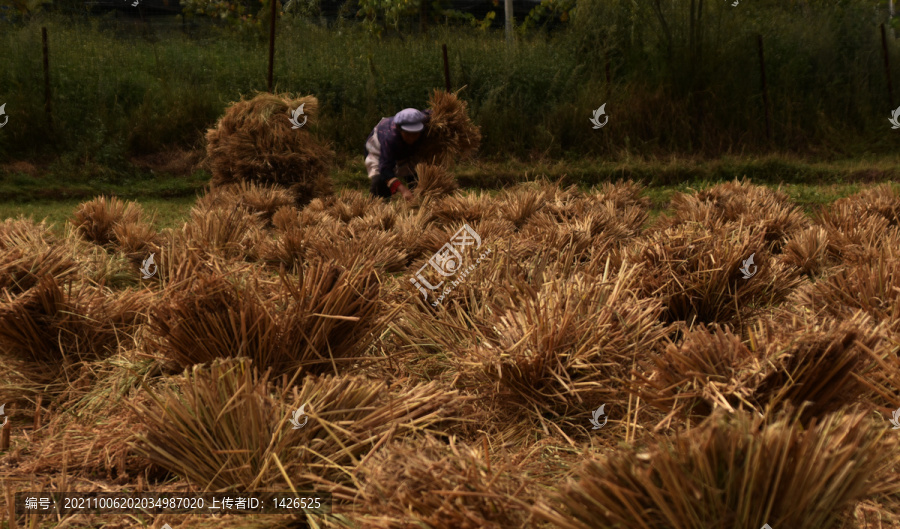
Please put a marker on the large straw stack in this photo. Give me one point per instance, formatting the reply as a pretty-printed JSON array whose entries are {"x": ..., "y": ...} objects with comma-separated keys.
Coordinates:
[
  {"x": 255, "y": 141},
  {"x": 450, "y": 133}
]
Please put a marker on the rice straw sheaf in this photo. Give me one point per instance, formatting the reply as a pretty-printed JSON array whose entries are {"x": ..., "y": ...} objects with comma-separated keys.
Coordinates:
[
  {"x": 821, "y": 365},
  {"x": 453, "y": 326},
  {"x": 136, "y": 240},
  {"x": 434, "y": 181},
  {"x": 461, "y": 208},
  {"x": 288, "y": 216},
  {"x": 457, "y": 251},
  {"x": 22, "y": 267},
  {"x": 96, "y": 219},
  {"x": 180, "y": 260},
  {"x": 544, "y": 231},
  {"x": 297, "y": 242},
  {"x": 380, "y": 248},
  {"x": 53, "y": 324},
  {"x": 24, "y": 231},
  {"x": 85, "y": 450},
  {"x": 228, "y": 427},
  {"x": 695, "y": 271},
  {"x": 556, "y": 347},
  {"x": 740, "y": 203},
  {"x": 450, "y": 134},
  {"x": 380, "y": 216},
  {"x": 622, "y": 193},
  {"x": 737, "y": 472},
  {"x": 562, "y": 203},
  {"x": 882, "y": 201},
  {"x": 618, "y": 223},
  {"x": 349, "y": 204},
  {"x": 430, "y": 484},
  {"x": 261, "y": 199},
  {"x": 418, "y": 233},
  {"x": 807, "y": 250},
  {"x": 873, "y": 287},
  {"x": 319, "y": 321},
  {"x": 254, "y": 141},
  {"x": 229, "y": 232},
  {"x": 521, "y": 203},
  {"x": 856, "y": 235}
]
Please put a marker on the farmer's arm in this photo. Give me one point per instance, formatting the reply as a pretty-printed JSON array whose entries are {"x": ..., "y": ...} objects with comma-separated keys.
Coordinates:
[{"x": 387, "y": 164}]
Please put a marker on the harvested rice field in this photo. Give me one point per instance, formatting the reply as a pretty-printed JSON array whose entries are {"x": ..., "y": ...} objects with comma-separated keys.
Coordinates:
[{"x": 539, "y": 357}]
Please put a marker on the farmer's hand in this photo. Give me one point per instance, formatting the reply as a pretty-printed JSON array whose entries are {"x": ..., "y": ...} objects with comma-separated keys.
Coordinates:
[{"x": 407, "y": 194}]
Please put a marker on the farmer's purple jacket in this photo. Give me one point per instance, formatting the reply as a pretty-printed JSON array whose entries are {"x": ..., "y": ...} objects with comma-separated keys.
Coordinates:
[{"x": 393, "y": 148}]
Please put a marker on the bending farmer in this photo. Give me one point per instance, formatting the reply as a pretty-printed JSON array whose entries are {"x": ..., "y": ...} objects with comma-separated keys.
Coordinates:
[{"x": 389, "y": 149}]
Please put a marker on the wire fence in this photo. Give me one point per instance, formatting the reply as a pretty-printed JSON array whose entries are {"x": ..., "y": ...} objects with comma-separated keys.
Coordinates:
[{"x": 122, "y": 81}]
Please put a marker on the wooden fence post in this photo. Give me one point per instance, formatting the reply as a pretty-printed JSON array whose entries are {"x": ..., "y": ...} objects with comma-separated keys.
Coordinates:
[
  {"x": 271, "y": 45},
  {"x": 765, "y": 88},
  {"x": 47, "y": 106},
  {"x": 508, "y": 10}
]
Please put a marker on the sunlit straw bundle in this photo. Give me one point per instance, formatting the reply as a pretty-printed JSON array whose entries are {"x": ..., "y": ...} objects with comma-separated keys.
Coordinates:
[
  {"x": 733, "y": 473},
  {"x": 434, "y": 181},
  {"x": 319, "y": 321},
  {"x": 255, "y": 141},
  {"x": 227, "y": 427},
  {"x": 449, "y": 134}
]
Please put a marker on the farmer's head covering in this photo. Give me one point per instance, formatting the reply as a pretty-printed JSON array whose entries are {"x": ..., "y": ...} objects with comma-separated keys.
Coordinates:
[{"x": 410, "y": 120}]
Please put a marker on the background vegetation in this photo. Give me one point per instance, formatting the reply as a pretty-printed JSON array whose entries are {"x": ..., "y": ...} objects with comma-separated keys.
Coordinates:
[{"x": 680, "y": 77}]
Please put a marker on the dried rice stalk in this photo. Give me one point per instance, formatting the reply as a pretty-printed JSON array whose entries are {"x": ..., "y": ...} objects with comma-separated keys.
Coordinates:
[
  {"x": 450, "y": 133},
  {"x": 873, "y": 287},
  {"x": 821, "y": 364},
  {"x": 24, "y": 231},
  {"x": 261, "y": 199},
  {"x": 741, "y": 203},
  {"x": 733, "y": 473},
  {"x": 21, "y": 268},
  {"x": 52, "y": 326},
  {"x": 434, "y": 181},
  {"x": 807, "y": 251},
  {"x": 96, "y": 220},
  {"x": 427, "y": 483},
  {"x": 254, "y": 141},
  {"x": 321, "y": 320},
  {"x": 556, "y": 347},
  {"x": 222, "y": 428},
  {"x": 695, "y": 271}
]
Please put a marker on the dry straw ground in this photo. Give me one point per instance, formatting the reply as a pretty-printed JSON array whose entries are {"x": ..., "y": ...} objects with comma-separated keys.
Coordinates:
[{"x": 731, "y": 402}]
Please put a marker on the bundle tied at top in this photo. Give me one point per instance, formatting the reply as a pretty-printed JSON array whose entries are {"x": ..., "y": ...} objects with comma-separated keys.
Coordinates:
[
  {"x": 450, "y": 134},
  {"x": 255, "y": 141}
]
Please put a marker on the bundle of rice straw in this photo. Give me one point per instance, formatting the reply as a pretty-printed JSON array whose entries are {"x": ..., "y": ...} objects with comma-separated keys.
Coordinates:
[
  {"x": 450, "y": 133},
  {"x": 434, "y": 181},
  {"x": 255, "y": 141}
]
